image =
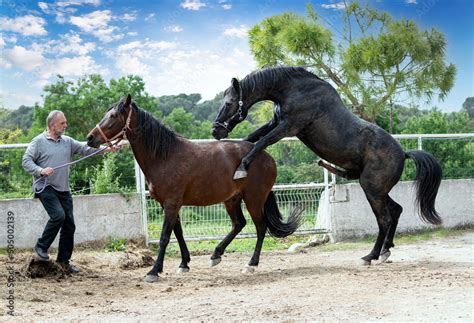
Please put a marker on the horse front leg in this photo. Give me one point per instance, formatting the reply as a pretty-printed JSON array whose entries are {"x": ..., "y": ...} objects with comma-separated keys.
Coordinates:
[
  {"x": 171, "y": 215},
  {"x": 279, "y": 132},
  {"x": 262, "y": 131}
]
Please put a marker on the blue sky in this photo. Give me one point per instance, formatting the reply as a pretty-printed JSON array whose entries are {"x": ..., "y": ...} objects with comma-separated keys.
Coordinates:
[{"x": 184, "y": 46}]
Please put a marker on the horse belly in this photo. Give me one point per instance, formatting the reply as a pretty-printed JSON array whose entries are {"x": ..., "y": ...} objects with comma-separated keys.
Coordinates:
[{"x": 209, "y": 193}]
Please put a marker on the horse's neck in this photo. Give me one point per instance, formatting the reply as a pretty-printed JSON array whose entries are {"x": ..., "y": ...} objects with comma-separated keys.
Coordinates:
[
  {"x": 145, "y": 160},
  {"x": 261, "y": 94}
]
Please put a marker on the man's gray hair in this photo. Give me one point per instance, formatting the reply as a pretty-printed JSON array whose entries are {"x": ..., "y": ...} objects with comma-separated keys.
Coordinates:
[{"x": 51, "y": 116}]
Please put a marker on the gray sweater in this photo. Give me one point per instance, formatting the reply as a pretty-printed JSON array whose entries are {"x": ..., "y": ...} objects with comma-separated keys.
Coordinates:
[{"x": 43, "y": 151}]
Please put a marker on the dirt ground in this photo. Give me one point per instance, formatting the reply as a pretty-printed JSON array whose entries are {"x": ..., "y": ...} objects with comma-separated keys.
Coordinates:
[{"x": 426, "y": 281}]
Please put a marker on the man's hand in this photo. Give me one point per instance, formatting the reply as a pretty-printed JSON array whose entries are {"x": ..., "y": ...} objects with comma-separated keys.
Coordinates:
[
  {"x": 47, "y": 171},
  {"x": 113, "y": 148}
]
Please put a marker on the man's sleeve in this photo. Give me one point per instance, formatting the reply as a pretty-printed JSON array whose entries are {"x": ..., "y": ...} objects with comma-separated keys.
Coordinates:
[
  {"x": 28, "y": 161},
  {"x": 80, "y": 148}
]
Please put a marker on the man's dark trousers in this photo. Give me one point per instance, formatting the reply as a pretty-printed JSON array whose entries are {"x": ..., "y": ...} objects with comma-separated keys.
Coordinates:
[{"x": 59, "y": 208}]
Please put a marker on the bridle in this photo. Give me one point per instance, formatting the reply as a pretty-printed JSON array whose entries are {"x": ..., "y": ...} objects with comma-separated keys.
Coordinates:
[
  {"x": 121, "y": 134},
  {"x": 225, "y": 124}
]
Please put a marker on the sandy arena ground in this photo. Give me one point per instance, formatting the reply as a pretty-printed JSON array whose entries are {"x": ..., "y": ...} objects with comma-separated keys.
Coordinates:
[{"x": 426, "y": 281}]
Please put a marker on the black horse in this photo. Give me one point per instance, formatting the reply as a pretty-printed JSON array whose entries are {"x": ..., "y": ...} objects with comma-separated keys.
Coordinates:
[{"x": 310, "y": 108}]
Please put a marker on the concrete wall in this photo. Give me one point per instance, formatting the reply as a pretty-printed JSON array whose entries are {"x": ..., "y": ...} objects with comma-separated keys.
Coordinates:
[
  {"x": 96, "y": 217},
  {"x": 349, "y": 214}
]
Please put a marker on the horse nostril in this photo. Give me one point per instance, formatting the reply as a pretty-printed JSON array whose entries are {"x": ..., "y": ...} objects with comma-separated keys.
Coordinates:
[{"x": 90, "y": 137}]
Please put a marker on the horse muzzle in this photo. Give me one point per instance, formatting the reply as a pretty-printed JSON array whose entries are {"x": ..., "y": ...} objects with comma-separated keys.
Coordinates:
[
  {"x": 219, "y": 132},
  {"x": 92, "y": 141}
]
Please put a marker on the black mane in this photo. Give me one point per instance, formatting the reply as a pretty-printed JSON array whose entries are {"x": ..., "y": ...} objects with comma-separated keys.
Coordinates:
[
  {"x": 158, "y": 139},
  {"x": 271, "y": 76}
]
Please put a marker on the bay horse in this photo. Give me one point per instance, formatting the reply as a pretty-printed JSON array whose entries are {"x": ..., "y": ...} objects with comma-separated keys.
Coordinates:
[
  {"x": 309, "y": 108},
  {"x": 181, "y": 172}
]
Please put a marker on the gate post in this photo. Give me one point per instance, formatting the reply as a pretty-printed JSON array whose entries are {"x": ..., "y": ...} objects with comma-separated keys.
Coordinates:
[{"x": 140, "y": 187}]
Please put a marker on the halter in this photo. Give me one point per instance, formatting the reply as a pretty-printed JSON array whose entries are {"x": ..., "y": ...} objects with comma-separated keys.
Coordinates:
[
  {"x": 121, "y": 133},
  {"x": 225, "y": 124}
]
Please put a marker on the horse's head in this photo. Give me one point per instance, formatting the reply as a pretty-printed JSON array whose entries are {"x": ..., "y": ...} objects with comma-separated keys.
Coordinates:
[
  {"x": 231, "y": 112},
  {"x": 113, "y": 125}
]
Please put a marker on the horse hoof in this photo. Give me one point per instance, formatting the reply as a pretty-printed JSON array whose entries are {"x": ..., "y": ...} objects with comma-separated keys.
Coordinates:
[
  {"x": 249, "y": 269},
  {"x": 240, "y": 174},
  {"x": 214, "y": 262},
  {"x": 182, "y": 270},
  {"x": 384, "y": 256},
  {"x": 364, "y": 262},
  {"x": 151, "y": 278}
]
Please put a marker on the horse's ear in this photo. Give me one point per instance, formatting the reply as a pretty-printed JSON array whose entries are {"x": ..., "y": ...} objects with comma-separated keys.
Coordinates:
[
  {"x": 128, "y": 100},
  {"x": 235, "y": 84}
]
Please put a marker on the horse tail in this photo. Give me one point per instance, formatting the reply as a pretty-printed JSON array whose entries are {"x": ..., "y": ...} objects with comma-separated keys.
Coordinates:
[
  {"x": 428, "y": 179},
  {"x": 274, "y": 220}
]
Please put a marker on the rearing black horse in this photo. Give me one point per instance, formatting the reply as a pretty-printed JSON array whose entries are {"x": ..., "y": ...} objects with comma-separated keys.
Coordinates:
[{"x": 310, "y": 108}]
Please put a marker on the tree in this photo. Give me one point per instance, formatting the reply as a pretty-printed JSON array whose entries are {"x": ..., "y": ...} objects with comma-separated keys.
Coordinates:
[
  {"x": 188, "y": 102},
  {"x": 468, "y": 105},
  {"x": 377, "y": 60}
]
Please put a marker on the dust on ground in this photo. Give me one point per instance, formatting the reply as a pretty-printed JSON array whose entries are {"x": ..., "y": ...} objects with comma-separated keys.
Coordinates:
[{"x": 425, "y": 281}]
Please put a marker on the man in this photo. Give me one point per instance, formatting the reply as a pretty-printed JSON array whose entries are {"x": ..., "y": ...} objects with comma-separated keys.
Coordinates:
[{"x": 47, "y": 150}]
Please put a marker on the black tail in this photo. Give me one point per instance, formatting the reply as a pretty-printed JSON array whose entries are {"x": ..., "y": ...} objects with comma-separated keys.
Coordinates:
[
  {"x": 428, "y": 178},
  {"x": 273, "y": 218}
]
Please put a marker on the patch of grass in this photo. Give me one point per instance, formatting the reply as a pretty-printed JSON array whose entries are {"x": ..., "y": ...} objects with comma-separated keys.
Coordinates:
[{"x": 115, "y": 244}]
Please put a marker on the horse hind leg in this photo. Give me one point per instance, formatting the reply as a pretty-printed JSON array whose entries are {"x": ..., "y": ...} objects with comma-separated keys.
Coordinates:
[
  {"x": 255, "y": 207},
  {"x": 395, "y": 211},
  {"x": 185, "y": 258},
  {"x": 384, "y": 221},
  {"x": 238, "y": 223}
]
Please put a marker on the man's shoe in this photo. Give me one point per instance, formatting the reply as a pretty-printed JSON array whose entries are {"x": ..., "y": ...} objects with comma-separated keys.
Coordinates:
[
  {"x": 69, "y": 268},
  {"x": 41, "y": 253}
]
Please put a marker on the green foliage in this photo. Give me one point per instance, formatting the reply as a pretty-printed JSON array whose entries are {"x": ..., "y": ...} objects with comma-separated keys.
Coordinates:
[
  {"x": 21, "y": 118},
  {"x": 115, "y": 244},
  {"x": 106, "y": 179},
  {"x": 375, "y": 60},
  {"x": 455, "y": 156}
]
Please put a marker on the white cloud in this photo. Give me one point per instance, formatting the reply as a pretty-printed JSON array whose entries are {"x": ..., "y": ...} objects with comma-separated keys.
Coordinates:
[
  {"x": 96, "y": 23},
  {"x": 174, "y": 29},
  {"x": 240, "y": 32},
  {"x": 43, "y": 6},
  {"x": 131, "y": 57},
  {"x": 131, "y": 65},
  {"x": 334, "y": 6},
  {"x": 77, "y": 3},
  {"x": 146, "y": 45},
  {"x": 198, "y": 71},
  {"x": 26, "y": 25},
  {"x": 225, "y": 5},
  {"x": 132, "y": 33},
  {"x": 23, "y": 58},
  {"x": 4, "y": 63},
  {"x": 72, "y": 43},
  {"x": 411, "y": 1},
  {"x": 150, "y": 16},
  {"x": 2, "y": 42},
  {"x": 192, "y": 4},
  {"x": 72, "y": 67},
  {"x": 128, "y": 17}
]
